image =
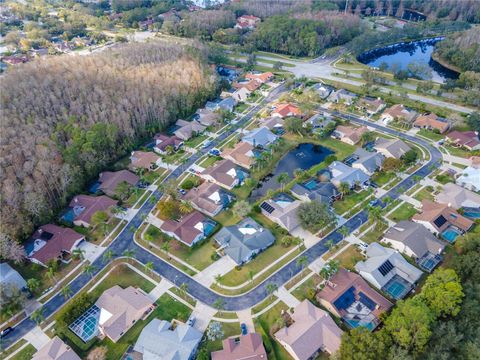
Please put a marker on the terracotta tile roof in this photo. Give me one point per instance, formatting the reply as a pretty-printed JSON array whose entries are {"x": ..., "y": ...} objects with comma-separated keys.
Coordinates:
[
  {"x": 248, "y": 347},
  {"x": 431, "y": 121},
  {"x": 111, "y": 179},
  {"x": 186, "y": 229},
  {"x": 263, "y": 77},
  {"x": 84, "y": 206},
  {"x": 313, "y": 329},
  {"x": 284, "y": 110},
  {"x": 120, "y": 308},
  {"x": 431, "y": 211},
  {"x": 55, "y": 349},
  {"x": 54, "y": 239}
]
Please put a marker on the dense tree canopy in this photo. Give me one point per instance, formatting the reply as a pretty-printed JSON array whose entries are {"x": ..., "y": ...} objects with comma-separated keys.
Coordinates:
[
  {"x": 65, "y": 118},
  {"x": 462, "y": 49}
]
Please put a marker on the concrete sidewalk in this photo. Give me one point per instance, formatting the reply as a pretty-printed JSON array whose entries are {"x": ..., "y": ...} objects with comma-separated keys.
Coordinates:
[
  {"x": 203, "y": 314},
  {"x": 286, "y": 297},
  {"x": 160, "y": 289},
  {"x": 37, "y": 337}
]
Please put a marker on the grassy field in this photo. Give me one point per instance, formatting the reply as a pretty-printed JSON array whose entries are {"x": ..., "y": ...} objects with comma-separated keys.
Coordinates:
[
  {"x": 375, "y": 234},
  {"x": 403, "y": 212}
]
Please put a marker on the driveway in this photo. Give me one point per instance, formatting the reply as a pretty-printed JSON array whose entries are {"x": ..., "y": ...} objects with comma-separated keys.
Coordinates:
[
  {"x": 91, "y": 251},
  {"x": 219, "y": 267}
]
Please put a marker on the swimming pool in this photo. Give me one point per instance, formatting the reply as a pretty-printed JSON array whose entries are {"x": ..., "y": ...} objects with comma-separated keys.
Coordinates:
[
  {"x": 397, "y": 287},
  {"x": 69, "y": 216},
  {"x": 450, "y": 234},
  {"x": 471, "y": 213},
  {"x": 356, "y": 323},
  {"x": 86, "y": 326},
  {"x": 311, "y": 184}
]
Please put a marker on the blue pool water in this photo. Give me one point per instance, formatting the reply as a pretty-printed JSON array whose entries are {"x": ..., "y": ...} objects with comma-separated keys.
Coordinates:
[
  {"x": 89, "y": 327},
  {"x": 355, "y": 323},
  {"x": 208, "y": 228},
  {"x": 94, "y": 188},
  {"x": 450, "y": 234},
  {"x": 311, "y": 184},
  {"x": 472, "y": 214},
  {"x": 397, "y": 288}
]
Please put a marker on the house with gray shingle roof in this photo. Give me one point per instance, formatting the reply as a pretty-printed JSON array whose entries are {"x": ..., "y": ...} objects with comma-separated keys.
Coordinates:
[
  {"x": 416, "y": 241},
  {"x": 367, "y": 161},
  {"x": 160, "y": 339},
  {"x": 55, "y": 349},
  {"x": 9, "y": 277},
  {"x": 260, "y": 137},
  {"x": 324, "y": 192},
  {"x": 458, "y": 197},
  {"x": 393, "y": 148},
  {"x": 282, "y": 209},
  {"x": 244, "y": 240},
  {"x": 188, "y": 129},
  {"x": 342, "y": 173}
]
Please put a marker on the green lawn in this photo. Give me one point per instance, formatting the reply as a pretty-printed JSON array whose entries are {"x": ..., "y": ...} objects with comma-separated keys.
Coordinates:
[
  {"x": 195, "y": 141},
  {"x": 425, "y": 194},
  {"x": 263, "y": 304},
  {"x": 349, "y": 257},
  {"x": 173, "y": 158},
  {"x": 25, "y": 354},
  {"x": 302, "y": 292},
  {"x": 229, "y": 329},
  {"x": 350, "y": 200},
  {"x": 430, "y": 135},
  {"x": 403, "y": 212},
  {"x": 209, "y": 161},
  {"x": 133, "y": 198},
  {"x": 382, "y": 177},
  {"x": 461, "y": 152},
  {"x": 263, "y": 324},
  {"x": 227, "y": 218},
  {"x": 444, "y": 179},
  {"x": 241, "y": 107},
  {"x": 375, "y": 234}
]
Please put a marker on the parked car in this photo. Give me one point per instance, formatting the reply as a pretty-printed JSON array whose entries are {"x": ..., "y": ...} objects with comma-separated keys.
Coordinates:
[
  {"x": 6, "y": 331},
  {"x": 182, "y": 191},
  {"x": 244, "y": 329},
  {"x": 207, "y": 143},
  {"x": 191, "y": 321},
  {"x": 214, "y": 152}
]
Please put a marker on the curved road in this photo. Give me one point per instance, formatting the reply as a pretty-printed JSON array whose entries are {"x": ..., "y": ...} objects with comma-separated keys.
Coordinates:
[{"x": 125, "y": 239}]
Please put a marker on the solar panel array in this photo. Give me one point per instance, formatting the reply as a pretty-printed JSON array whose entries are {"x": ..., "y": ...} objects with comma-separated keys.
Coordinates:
[
  {"x": 385, "y": 268},
  {"x": 440, "y": 221},
  {"x": 267, "y": 207}
]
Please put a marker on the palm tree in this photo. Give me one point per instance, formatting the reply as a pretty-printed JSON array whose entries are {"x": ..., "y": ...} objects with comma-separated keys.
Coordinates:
[
  {"x": 185, "y": 207},
  {"x": 78, "y": 254},
  {"x": 51, "y": 274},
  {"x": 302, "y": 261},
  {"x": 330, "y": 244},
  {"x": 344, "y": 232},
  {"x": 89, "y": 269},
  {"x": 250, "y": 275},
  {"x": 166, "y": 248},
  {"x": 329, "y": 269},
  {"x": 218, "y": 278},
  {"x": 184, "y": 289},
  {"x": 282, "y": 179},
  {"x": 38, "y": 316},
  {"x": 271, "y": 288},
  {"x": 33, "y": 284},
  {"x": 149, "y": 267},
  {"x": 108, "y": 255},
  {"x": 241, "y": 208},
  {"x": 374, "y": 214},
  {"x": 218, "y": 304},
  {"x": 130, "y": 253},
  {"x": 344, "y": 189},
  {"x": 66, "y": 291}
]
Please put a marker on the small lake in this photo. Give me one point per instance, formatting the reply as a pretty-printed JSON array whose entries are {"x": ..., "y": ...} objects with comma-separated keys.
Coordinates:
[
  {"x": 304, "y": 156},
  {"x": 401, "y": 54}
]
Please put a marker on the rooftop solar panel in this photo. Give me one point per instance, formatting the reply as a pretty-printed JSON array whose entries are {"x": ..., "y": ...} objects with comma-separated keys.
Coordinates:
[
  {"x": 267, "y": 207},
  {"x": 440, "y": 221},
  {"x": 385, "y": 268},
  {"x": 365, "y": 300}
]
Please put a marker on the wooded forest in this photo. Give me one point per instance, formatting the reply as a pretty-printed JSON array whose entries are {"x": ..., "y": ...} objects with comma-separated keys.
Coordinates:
[
  {"x": 65, "y": 119},
  {"x": 461, "y": 49}
]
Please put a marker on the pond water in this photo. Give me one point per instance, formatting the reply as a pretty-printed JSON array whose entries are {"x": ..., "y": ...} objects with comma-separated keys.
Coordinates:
[
  {"x": 402, "y": 54},
  {"x": 304, "y": 156}
]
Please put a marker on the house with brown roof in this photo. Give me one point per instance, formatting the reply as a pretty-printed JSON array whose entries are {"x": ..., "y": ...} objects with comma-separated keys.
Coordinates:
[
  {"x": 143, "y": 160},
  {"x": 188, "y": 129},
  {"x": 439, "y": 217},
  {"x": 245, "y": 347},
  {"x": 312, "y": 331},
  {"x": 273, "y": 123},
  {"x": 431, "y": 122},
  {"x": 263, "y": 77},
  {"x": 398, "y": 112},
  {"x": 250, "y": 85},
  {"x": 225, "y": 173},
  {"x": 349, "y": 297},
  {"x": 190, "y": 228},
  {"x": 207, "y": 117},
  {"x": 241, "y": 154},
  {"x": 109, "y": 180},
  {"x": 371, "y": 105},
  {"x": 55, "y": 349},
  {"x": 286, "y": 110},
  {"x": 392, "y": 148},
  {"x": 52, "y": 242},
  {"x": 208, "y": 198},
  {"x": 82, "y": 207},
  {"x": 164, "y": 142},
  {"x": 120, "y": 309},
  {"x": 467, "y": 139},
  {"x": 247, "y": 22},
  {"x": 349, "y": 134}
]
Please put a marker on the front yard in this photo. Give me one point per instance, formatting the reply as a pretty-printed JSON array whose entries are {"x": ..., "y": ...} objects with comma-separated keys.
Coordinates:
[
  {"x": 350, "y": 200},
  {"x": 195, "y": 141},
  {"x": 403, "y": 212},
  {"x": 349, "y": 257}
]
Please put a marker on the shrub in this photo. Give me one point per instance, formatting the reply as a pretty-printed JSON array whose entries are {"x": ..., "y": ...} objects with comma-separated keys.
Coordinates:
[{"x": 75, "y": 308}]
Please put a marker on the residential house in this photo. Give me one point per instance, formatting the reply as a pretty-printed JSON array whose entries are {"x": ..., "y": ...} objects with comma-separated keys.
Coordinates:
[
  {"x": 282, "y": 210},
  {"x": 120, "y": 309},
  {"x": 260, "y": 137},
  {"x": 274, "y": 124},
  {"x": 241, "y": 95},
  {"x": 343, "y": 96},
  {"x": 225, "y": 173},
  {"x": 55, "y": 349},
  {"x": 163, "y": 143},
  {"x": 260, "y": 77},
  {"x": 241, "y": 154},
  {"x": 188, "y": 129},
  {"x": 241, "y": 242},
  {"x": 414, "y": 240},
  {"x": 470, "y": 178},
  {"x": 143, "y": 160},
  {"x": 319, "y": 122},
  {"x": 10, "y": 278},
  {"x": 439, "y": 217},
  {"x": 250, "y": 85},
  {"x": 245, "y": 347},
  {"x": 322, "y": 90},
  {"x": 431, "y": 122},
  {"x": 313, "y": 190},
  {"x": 63, "y": 46},
  {"x": 190, "y": 228},
  {"x": 349, "y": 134},
  {"x": 209, "y": 198},
  {"x": 109, "y": 180},
  {"x": 348, "y": 296},
  {"x": 312, "y": 331},
  {"x": 82, "y": 208},
  {"x": 388, "y": 271},
  {"x": 458, "y": 197},
  {"x": 286, "y": 110},
  {"x": 247, "y": 22},
  {"x": 367, "y": 161},
  {"x": 161, "y": 339},
  {"x": 391, "y": 148},
  {"x": 207, "y": 117},
  {"x": 371, "y": 105},
  {"x": 398, "y": 112},
  {"x": 467, "y": 139},
  {"x": 341, "y": 173},
  {"x": 51, "y": 242}
]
